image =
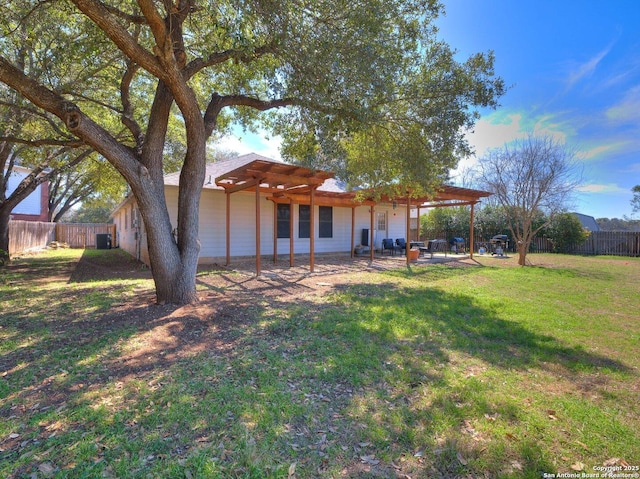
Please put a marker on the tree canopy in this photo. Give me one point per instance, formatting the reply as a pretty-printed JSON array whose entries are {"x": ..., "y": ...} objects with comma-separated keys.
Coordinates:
[
  {"x": 635, "y": 202},
  {"x": 333, "y": 76}
]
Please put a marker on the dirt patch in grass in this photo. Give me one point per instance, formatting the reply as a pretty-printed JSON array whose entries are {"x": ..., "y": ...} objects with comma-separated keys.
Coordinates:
[
  {"x": 123, "y": 358},
  {"x": 138, "y": 340}
]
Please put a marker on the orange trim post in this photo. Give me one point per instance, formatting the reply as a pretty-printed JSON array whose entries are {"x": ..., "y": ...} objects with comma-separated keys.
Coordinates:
[
  {"x": 291, "y": 243},
  {"x": 471, "y": 239},
  {"x": 258, "y": 265},
  {"x": 371, "y": 235},
  {"x": 353, "y": 230},
  {"x": 228, "y": 231},
  {"x": 406, "y": 247},
  {"x": 275, "y": 232},
  {"x": 312, "y": 230}
]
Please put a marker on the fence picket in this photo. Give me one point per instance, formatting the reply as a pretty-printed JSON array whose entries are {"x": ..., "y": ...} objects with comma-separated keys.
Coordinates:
[{"x": 28, "y": 235}]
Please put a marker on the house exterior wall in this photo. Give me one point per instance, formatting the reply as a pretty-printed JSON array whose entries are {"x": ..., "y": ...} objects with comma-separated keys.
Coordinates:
[
  {"x": 130, "y": 232},
  {"x": 212, "y": 227},
  {"x": 34, "y": 207}
]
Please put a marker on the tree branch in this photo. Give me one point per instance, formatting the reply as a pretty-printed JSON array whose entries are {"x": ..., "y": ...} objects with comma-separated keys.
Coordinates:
[
  {"x": 43, "y": 142},
  {"x": 219, "y": 102},
  {"x": 127, "y": 113},
  {"x": 242, "y": 56},
  {"x": 79, "y": 124},
  {"x": 107, "y": 22}
]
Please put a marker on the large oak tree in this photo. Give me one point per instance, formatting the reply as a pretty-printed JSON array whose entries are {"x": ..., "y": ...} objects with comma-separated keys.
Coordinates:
[{"x": 337, "y": 72}]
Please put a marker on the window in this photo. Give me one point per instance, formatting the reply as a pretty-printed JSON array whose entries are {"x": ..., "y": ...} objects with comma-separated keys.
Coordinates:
[
  {"x": 304, "y": 221},
  {"x": 325, "y": 224},
  {"x": 284, "y": 218},
  {"x": 381, "y": 221},
  {"x": 134, "y": 217}
]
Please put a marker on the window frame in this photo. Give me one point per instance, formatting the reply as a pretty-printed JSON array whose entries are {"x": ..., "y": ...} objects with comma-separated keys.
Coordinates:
[
  {"x": 325, "y": 222},
  {"x": 304, "y": 221},
  {"x": 281, "y": 222}
]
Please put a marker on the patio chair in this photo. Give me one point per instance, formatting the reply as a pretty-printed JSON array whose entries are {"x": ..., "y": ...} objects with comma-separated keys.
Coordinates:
[
  {"x": 387, "y": 244},
  {"x": 401, "y": 244}
]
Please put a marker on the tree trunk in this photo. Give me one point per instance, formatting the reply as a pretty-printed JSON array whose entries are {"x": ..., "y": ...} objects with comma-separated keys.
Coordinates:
[
  {"x": 522, "y": 253},
  {"x": 4, "y": 235},
  {"x": 174, "y": 274}
]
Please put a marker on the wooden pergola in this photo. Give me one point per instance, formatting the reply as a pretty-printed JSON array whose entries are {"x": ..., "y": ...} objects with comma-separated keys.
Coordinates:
[
  {"x": 290, "y": 184},
  {"x": 445, "y": 196}
]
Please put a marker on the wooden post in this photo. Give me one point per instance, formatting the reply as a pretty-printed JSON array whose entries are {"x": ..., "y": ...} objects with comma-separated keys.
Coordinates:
[
  {"x": 258, "y": 265},
  {"x": 408, "y": 241},
  {"x": 471, "y": 239},
  {"x": 371, "y": 235},
  {"x": 418, "y": 225},
  {"x": 228, "y": 231},
  {"x": 275, "y": 232},
  {"x": 353, "y": 229},
  {"x": 312, "y": 231},
  {"x": 291, "y": 251}
]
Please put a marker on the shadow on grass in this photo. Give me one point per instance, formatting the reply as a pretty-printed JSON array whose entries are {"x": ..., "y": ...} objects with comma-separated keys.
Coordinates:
[
  {"x": 260, "y": 377},
  {"x": 106, "y": 265}
]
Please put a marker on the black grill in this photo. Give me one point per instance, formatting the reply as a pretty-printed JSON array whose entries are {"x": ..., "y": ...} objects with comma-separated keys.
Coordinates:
[{"x": 499, "y": 244}]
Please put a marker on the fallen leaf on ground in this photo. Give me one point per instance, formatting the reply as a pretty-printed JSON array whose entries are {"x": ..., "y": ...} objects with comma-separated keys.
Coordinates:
[
  {"x": 371, "y": 459},
  {"x": 578, "y": 466},
  {"x": 47, "y": 469}
]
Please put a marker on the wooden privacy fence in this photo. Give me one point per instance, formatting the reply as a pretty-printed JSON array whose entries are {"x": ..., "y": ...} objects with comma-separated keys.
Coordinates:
[
  {"x": 618, "y": 243},
  {"x": 29, "y": 235},
  {"x": 614, "y": 243},
  {"x": 83, "y": 235}
]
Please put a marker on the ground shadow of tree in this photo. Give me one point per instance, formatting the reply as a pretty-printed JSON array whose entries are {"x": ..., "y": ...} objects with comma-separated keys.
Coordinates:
[{"x": 285, "y": 377}]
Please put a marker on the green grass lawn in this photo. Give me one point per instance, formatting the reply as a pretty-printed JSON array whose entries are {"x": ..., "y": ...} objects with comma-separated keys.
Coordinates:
[{"x": 479, "y": 370}]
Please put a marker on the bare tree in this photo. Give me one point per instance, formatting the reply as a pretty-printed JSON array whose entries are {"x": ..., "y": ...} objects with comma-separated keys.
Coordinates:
[{"x": 529, "y": 176}]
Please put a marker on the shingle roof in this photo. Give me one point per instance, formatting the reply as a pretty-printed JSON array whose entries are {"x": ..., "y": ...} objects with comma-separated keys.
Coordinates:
[
  {"x": 588, "y": 222},
  {"x": 219, "y": 168}
]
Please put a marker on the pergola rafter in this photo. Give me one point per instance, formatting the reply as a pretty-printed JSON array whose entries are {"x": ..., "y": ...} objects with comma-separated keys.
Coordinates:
[{"x": 291, "y": 184}]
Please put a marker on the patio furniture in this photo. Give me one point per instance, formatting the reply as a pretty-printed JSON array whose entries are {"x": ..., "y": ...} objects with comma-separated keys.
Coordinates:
[
  {"x": 434, "y": 246},
  {"x": 401, "y": 244},
  {"x": 457, "y": 245},
  {"x": 387, "y": 244}
]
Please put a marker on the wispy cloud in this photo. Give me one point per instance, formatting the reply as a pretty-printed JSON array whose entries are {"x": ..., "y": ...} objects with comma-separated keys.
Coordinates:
[
  {"x": 597, "y": 151},
  {"x": 628, "y": 109},
  {"x": 602, "y": 188},
  {"x": 586, "y": 69}
]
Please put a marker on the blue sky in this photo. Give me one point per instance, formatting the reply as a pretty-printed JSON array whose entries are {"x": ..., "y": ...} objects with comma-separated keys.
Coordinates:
[{"x": 574, "y": 71}]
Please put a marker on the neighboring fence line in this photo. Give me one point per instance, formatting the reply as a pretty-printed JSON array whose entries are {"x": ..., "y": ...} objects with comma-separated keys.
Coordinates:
[
  {"x": 29, "y": 235},
  {"x": 619, "y": 243},
  {"x": 83, "y": 235},
  {"x": 615, "y": 243}
]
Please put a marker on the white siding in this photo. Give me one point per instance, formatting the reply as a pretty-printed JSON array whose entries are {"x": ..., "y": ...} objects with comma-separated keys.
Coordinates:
[
  {"x": 32, "y": 203},
  {"x": 212, "y": 226}
]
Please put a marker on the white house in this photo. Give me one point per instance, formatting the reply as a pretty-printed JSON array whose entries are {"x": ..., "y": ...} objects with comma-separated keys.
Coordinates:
[
  {"x": 34, "y": 207},
  {"x": 236, "y": 221}
]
